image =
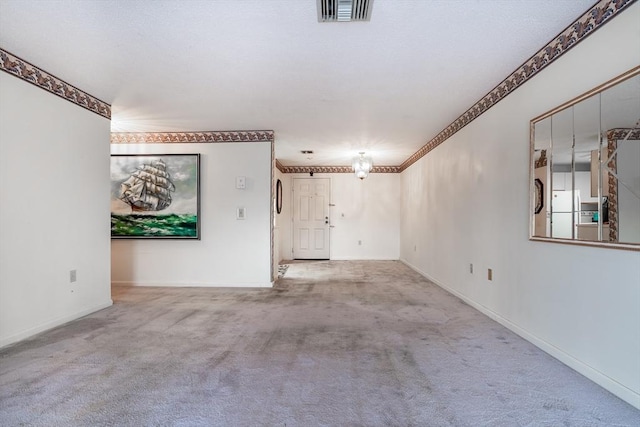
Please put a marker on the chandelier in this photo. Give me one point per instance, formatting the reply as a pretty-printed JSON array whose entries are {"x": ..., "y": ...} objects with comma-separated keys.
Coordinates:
[{"x": 362, "y": 165}]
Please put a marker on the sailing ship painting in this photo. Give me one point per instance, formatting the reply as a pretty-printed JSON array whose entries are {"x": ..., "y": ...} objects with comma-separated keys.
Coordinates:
[
  {"x": 148, "y": 188},
  {"x": 155, "y": 196}
]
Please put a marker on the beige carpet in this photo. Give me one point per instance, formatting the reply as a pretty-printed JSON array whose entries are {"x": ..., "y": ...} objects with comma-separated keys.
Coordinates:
[{"x": 336, "y": 343}]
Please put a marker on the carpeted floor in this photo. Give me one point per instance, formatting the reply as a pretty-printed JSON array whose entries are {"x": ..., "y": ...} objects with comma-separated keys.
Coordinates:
[{"x": 335, "y": 343}]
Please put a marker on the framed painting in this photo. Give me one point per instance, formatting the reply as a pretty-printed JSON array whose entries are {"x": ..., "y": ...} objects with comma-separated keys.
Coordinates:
[{"x": 155, "y": 196}]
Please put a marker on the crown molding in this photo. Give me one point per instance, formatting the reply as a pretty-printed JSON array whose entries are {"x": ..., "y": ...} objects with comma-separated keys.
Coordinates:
[
  {"x": 589, "y": 22},
  {"x": 28, "y": 72},
  {"x": 279, "y": 166},
  {"x": 191, "y": 137}
]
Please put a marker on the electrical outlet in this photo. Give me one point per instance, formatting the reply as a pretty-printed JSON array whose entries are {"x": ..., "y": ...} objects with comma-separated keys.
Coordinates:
[
  {"x": 73, "y": 276},
  {"x": 490, "y": 274},
  {"x": 241, "y": 213},
  {"x": 471, "y": 268}
]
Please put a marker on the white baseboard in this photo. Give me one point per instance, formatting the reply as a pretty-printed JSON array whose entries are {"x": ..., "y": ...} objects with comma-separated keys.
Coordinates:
[
  {"x": 348, "y": 258},
  {"x": 52, "y": 324},
  {"x": 593, "y": 374},
  {"x": 192, "y": 284}
]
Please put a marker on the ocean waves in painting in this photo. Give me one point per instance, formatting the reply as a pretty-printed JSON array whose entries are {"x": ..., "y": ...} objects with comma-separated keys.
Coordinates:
[{"x": 176, "y": 226}]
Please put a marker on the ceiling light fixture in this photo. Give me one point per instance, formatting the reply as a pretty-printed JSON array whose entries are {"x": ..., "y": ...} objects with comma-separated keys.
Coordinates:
[{"x": 362, "y": 165}]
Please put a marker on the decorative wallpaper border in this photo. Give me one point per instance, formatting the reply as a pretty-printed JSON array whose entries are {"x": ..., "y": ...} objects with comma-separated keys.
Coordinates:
[
  {"x": 624, "y": 134},
  {"x": 191, "y": 137},
  {"x": 598, "y": 15},
  {"x": 28, "y": 72},
  {"x": 542, "y": 160},
  {"x": 613, "y": 136},
  {"x": 386, "y": 169},
  {"x": 612, "y": 186},
  {"x": 334, "y": 169}
]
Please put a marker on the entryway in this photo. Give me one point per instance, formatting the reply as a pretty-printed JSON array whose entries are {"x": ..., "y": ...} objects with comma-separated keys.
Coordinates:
[{"x": 311, "y": 198}]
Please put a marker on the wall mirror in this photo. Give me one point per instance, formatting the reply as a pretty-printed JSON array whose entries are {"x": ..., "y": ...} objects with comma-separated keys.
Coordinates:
[
  {"x": 278, "y": 196},
  {"x": 585, "y": 168}
]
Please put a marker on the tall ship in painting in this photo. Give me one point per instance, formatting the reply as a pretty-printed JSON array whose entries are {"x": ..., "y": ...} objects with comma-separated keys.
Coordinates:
[{"x": 148, "y": 188}]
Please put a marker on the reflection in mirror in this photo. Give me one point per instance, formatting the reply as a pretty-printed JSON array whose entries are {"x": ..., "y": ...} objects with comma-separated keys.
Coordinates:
[
  {"x": 585, "y": 180},
  {"x": 542, "y": 177}
]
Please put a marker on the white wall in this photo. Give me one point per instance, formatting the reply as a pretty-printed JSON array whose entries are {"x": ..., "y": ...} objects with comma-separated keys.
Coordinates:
[
  {"x": 468, "y": 202},
  {"x": 364, "y": 210},
  {"x": 231, "y": 252},
  {"x": 54, "y": 217}
]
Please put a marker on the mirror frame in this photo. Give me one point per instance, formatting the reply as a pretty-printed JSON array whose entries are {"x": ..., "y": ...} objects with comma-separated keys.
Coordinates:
[
  {"x": 532, "y": 187},
  {"x": 278, "y": 196}
]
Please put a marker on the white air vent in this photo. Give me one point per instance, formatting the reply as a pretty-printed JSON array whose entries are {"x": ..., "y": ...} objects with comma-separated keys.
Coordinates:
[{"x": 344, "y": 10}]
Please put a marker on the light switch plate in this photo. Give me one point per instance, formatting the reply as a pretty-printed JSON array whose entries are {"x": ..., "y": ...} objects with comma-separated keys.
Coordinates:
[{"x": 241, "y": 182}]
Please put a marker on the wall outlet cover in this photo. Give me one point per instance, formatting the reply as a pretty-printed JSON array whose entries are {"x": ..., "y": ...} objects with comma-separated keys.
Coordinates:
[{"x": 241, "y": 213}]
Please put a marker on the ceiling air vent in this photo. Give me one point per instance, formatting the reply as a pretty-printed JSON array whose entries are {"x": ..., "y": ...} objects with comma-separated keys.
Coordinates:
[{"x": 344, "y": 10}]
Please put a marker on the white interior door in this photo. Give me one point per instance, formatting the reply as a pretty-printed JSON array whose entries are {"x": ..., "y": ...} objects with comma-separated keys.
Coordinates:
[{"x": 311, "y": 198}]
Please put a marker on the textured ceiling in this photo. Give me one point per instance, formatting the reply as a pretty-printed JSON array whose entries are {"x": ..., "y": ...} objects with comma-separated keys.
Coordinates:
[{"x": 385, "y": 87}]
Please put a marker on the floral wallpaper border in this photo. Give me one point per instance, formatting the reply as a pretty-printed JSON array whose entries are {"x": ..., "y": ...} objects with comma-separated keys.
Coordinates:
[
  {"x": 191, "y": 137},
  {"x": 333, "y": 169},
  {"x": 28, "y": 72}
]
